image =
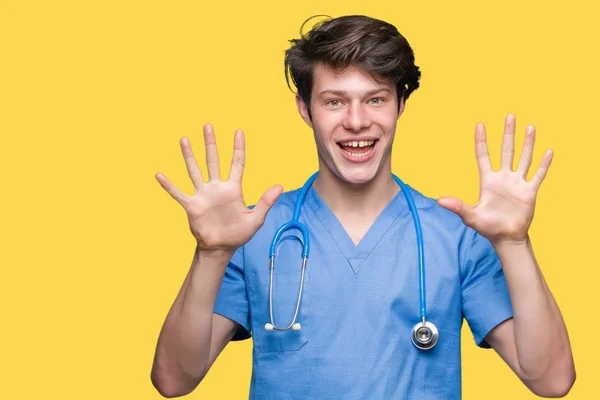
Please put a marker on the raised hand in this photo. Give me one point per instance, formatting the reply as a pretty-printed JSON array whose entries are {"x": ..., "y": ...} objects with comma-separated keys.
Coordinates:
[
  {"x": 218, "y": 217},
  {"x": 506, "y": 199}
]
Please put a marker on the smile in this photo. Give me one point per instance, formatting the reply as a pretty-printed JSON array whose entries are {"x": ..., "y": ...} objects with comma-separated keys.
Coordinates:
[{"x": 358, "y": 150}]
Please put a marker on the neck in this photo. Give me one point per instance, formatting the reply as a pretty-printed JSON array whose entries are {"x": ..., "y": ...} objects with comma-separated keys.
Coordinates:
[{"x": 367, "y": 199}]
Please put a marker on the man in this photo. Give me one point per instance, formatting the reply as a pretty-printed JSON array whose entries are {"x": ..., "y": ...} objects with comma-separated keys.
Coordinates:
[{"x": 349, "y": 330}]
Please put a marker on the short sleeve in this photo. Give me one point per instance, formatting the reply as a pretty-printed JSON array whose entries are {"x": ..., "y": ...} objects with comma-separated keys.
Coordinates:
[
  {"x": 232, "y": 299},
  {"x": 485, "y": 298}
]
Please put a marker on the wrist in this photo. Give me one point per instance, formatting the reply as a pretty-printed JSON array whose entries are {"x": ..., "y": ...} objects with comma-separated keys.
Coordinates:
[
  {"x": 218, "y": 255},
  {"x": 510, "y": 248},
  {"x": 507, "y": 242}
]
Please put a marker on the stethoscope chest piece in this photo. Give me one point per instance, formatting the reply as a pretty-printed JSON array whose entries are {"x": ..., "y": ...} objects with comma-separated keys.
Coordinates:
[{"x": 424, "y": 335}]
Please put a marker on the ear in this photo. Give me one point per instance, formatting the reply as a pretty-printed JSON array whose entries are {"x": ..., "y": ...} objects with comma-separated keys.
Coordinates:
[
  {"x": 303, "y": 110},
  {"x": 401, "y": 109}
]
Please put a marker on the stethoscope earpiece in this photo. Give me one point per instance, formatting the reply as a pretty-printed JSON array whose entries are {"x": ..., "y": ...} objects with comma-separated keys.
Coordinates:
[{"x": 424, "y": 335}]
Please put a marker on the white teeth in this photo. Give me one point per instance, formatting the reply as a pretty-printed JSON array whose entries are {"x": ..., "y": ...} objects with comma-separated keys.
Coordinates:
[
  {"x": 362, "y": 143},
  {"x": 358, "y": 155}
]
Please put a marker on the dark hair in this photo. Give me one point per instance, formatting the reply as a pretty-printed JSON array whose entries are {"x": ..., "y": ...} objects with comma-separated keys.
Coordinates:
[{"x": 372, "y": 44}]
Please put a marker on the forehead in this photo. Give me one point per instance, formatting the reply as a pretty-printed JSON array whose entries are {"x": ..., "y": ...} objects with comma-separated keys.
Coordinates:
[{"x": 353, "y": 79}]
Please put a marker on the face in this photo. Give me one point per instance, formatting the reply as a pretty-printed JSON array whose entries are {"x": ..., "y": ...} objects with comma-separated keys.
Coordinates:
[{"x": 354, "y": 121}]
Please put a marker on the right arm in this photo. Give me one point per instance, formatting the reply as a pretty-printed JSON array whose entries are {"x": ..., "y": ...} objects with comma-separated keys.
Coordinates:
[{"x": 193, "y": 335}]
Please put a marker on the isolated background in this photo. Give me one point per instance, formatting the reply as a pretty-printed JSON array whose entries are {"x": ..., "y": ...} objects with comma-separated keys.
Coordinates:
[{"x": 95, "y": 95}]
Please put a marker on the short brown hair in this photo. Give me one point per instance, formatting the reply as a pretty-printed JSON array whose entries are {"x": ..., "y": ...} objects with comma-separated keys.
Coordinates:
[{"x": 372, "y": 44}]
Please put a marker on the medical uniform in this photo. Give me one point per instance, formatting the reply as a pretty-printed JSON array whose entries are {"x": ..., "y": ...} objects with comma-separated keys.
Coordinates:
[{"x": 360, "y": 303}]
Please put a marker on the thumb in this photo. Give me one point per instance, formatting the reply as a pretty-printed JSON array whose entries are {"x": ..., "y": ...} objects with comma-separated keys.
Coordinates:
[
  {"x": 265, "y": 203},
  {"x": 458, "y": 207}
]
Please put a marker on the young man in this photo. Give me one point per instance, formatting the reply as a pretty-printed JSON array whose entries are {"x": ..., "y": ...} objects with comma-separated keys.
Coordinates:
[{"x": 349, "y": 333}]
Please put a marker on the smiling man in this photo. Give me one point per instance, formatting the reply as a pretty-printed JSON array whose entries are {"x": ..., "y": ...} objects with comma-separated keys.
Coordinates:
[{"x": 363, "y": 317}]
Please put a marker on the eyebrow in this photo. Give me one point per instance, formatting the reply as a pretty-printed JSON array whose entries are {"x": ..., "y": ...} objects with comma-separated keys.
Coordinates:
[{"x": 344, "y": 92}]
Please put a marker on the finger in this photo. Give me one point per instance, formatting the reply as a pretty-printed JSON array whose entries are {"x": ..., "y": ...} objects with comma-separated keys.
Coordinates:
[
  {"x": 508, "y": 143},
  {"x": 190, "y": 163},
  {"x": 527, "y": 153},
  {"x": 481, "y": 150},
  {"x": 540, "y": 174},
  {"x": 239, "y": 157},
  {"x": 458, "y": 207},
  {"x": 265, "y": 203},
  {"x": 171, "y": 189},
  {"x": 212, "y": 155}
]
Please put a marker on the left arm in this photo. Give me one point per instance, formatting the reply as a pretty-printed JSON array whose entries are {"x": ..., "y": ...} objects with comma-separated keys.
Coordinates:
[{"x": 534, "y": 343}]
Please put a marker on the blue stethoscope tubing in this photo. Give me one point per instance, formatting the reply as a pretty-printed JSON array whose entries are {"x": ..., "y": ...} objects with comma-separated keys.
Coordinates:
[{"x": 424, "y": 334}]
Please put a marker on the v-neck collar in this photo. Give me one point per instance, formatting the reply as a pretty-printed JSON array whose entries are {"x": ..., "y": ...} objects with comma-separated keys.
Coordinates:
[{"x": 356, "y": 254}]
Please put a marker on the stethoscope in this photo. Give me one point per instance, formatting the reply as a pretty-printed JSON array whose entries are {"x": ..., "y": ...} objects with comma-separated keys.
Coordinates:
[{"x": 424, "y": 334}]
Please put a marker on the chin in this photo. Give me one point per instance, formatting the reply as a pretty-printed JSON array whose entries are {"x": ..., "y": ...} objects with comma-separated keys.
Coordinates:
[{"x": 357, "y": 176}]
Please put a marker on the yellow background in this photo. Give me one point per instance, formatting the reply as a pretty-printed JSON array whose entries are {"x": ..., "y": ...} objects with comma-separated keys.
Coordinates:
[{"x": 95, "y": 95}]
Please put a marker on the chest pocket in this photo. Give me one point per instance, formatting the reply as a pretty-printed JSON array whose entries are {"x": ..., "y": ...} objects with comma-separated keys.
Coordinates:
[{"x": 285, "y": 296}]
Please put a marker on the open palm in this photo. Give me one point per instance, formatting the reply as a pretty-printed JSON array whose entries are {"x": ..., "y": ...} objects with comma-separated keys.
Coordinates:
[
  {"x": 506, "y": 199},
  {"x": 218, "y": 216}
]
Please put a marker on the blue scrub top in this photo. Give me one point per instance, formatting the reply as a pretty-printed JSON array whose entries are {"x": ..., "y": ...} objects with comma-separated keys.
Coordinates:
[{"x": 360, "y": 303}]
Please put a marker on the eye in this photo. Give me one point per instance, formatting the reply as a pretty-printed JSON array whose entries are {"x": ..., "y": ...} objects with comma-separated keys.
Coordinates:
[
  {"x": 376, "y": 100},
  {"x": 334, "y": 103}
]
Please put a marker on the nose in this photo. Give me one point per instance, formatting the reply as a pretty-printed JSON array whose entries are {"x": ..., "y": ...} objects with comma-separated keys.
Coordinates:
[{"x": 356, "y": 118}]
